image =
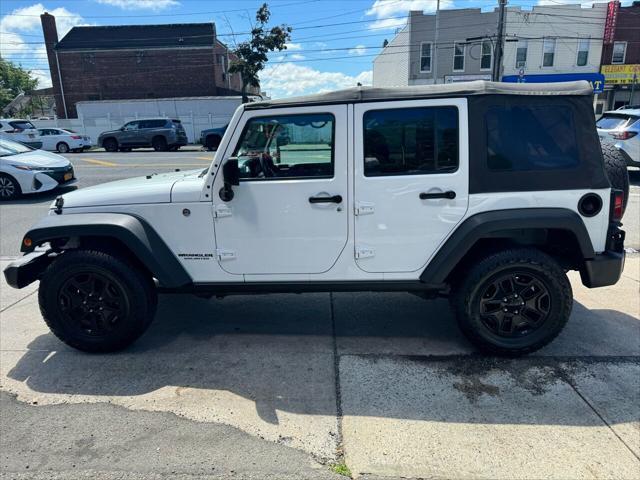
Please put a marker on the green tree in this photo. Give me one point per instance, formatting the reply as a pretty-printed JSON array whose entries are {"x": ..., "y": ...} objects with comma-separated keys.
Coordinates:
[
  {"x": 252, "y": 54},
  {"x": 13, "y": 80}
]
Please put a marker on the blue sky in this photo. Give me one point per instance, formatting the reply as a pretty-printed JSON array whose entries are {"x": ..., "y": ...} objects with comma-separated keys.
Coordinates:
[{"x": 332, "y": 46}]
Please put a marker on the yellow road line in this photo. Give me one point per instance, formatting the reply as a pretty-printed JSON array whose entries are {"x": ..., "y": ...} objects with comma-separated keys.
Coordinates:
[
  {"x": 205, "y": 158},
  {"x": 102, "y": 163},
  {"x": 155, "y": 165}
]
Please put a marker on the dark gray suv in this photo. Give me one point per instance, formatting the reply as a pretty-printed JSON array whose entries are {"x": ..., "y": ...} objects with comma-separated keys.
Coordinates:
[{"x": 160, "y": 133}]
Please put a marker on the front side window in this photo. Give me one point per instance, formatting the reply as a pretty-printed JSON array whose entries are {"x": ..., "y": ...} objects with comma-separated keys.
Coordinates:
[
  {"x": 425, "y": 57},
  {"x": 410, "y": 141},
  {"x": 583, "y": 52},
  {"x": 521, "y": 53},
  {"x": 487, "y": 52},
  {"x": 521, "y": 138},
  {"x": 458, "y": 57},
  {"x": 131, "y": 126},
  {"x": 548, "y": 52},
  {"x": 619, "y": 51},
  {"x": 287, "y": 146}
]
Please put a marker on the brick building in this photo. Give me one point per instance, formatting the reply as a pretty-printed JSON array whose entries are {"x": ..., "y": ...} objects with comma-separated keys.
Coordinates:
[
  {"x": 136, "y": 62},
  {"x": 621, "y": 56}
]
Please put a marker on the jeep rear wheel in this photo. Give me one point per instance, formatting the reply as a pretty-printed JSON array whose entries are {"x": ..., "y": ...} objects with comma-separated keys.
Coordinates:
[
  {"x": 513, "y": 302},
  {"x": 615, "y": 166},
  {"x": 95, "y": 302}
]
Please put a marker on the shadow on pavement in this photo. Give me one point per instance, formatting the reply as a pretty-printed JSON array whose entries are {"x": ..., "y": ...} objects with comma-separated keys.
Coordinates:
[
  {"x": 40, "y": 197},
  {"x": 278, "y": 351}
]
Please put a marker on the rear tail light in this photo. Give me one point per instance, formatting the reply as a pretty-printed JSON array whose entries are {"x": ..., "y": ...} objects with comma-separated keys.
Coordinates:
[
  {"x": 625, "y": 135},
  {"x": 76, "y": 137},
  {"x": 617, "y": 205}
]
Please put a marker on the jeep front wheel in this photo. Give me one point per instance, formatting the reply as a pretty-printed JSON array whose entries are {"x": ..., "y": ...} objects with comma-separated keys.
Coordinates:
[
  {"x": 513, "y": 302},
  {"x": 95, "y": 302}
]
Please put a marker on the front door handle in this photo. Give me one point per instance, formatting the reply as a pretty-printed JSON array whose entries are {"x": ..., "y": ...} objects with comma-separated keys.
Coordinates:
[
  {"x": 450, "y": 194},
  {"x": 333, "y": 199}
]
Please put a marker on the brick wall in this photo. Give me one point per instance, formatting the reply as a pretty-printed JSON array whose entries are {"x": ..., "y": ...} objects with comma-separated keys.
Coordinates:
[
  {"x": 130, "y": 74},
  {"x": 626, "y": 31}
]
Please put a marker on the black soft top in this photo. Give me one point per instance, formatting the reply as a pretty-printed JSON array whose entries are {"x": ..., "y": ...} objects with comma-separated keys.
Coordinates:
[{"x": 465, "y": 89}]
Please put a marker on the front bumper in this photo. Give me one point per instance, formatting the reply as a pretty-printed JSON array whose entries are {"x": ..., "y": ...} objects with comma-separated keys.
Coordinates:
[
  {"x": 27, "y": 269},
  {"x": 606, "y": 267}
]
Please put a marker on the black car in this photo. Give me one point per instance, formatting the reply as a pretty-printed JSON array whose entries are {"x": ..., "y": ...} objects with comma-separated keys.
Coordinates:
[{"x": 160, "y": 133}]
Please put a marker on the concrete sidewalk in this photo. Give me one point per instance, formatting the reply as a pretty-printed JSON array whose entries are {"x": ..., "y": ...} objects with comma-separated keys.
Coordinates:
[{"x": 284, "y": 386}]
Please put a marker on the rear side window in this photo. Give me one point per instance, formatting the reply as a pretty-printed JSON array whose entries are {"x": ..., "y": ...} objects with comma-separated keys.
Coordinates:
[
  {"x": 531, "y": 138},
  {"x": 152, "y": 123},
  {"x": 410, "y": 141},
  {"x": 22, "y": 125}
]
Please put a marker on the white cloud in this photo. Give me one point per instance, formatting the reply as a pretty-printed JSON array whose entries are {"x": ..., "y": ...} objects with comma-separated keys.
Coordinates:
[
  {"x": 290, "y": 79},
  {"x": 383, "y": 9},
  {"x": 141, "y": 4},
  {"x": 358, "y": 50},
  {"x": 293, "y": 46},
  {"x": 297, "y": 56},
  {"x": 22, "y": 49}
]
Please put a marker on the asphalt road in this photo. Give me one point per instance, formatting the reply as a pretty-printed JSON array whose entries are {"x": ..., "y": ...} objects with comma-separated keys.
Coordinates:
[{"x": 99, "y": 167}]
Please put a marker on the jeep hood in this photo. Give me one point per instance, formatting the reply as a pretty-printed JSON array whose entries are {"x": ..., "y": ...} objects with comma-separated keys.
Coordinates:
[{"x": 154, "y": 188}]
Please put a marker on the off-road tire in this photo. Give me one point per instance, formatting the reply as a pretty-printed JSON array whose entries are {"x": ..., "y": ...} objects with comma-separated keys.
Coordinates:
[
  {"x": 62, "y": 147},
  {"x": 468, "y": 293},
  {"x": 134, "y": 288},
  {"x": 159, "y": 144},
  {"x": 110, "y": 145},
  {"x": 212, "y": 142},
  {"x": 9, "y": 187},
  {"x": 616, "y": 168}
]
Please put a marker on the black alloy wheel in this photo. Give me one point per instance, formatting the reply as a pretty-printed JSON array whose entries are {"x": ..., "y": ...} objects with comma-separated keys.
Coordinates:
[
  {"x": 93, "y": 303},
  {"x": 515, "y": 304}
]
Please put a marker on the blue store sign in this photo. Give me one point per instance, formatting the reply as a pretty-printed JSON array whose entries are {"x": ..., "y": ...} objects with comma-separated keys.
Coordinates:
[{"x": 595, "y": 79}]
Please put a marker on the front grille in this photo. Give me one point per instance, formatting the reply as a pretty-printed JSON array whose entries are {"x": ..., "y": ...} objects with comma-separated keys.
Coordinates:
[{"x": 58, "y": 173}]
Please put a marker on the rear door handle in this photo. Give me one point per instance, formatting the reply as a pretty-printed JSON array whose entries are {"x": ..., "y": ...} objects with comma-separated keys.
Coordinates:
[
  {"x": 450, "y": 194},
  {"x": 333, "y": 199}
]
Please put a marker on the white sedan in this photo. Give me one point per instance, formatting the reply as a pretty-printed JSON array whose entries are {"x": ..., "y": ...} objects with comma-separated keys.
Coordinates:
[
  {"x": 63, "y": 141},
  {"x": 25, "y": 170}
]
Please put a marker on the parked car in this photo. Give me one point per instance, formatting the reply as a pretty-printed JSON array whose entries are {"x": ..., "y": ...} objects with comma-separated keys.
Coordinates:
[
  {"x": 622, "y": 127},
  {"x": 160, "y": 133},
  {"x": 63, "y": 141},
  {"x": 211, "y": 137},
  {"x": 484, "y": 192},
  {"x": 24, "y": 170},
  {"x": 18, "y": 130}
]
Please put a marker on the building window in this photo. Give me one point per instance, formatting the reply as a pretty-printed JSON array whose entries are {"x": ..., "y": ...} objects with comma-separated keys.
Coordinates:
[
  {"x": 619, "y": 52},
  {"x": 425, "y": 57},
  {"x": 521, "y": 53},
  {"x": 487, "y": 53},
  {"x": 548, "y": 52},
  {"x": 583, "y": 52},
  {"x": 458, "y": 57}
]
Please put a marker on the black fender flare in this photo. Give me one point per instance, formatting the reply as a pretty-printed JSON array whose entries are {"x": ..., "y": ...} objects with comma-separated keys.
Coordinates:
[
  {"x": 503, "y": 224},
  {"x": 132, "y": 231}
]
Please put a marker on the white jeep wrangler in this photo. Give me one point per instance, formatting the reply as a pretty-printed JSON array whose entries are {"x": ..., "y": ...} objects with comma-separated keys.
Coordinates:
[{"x": 488, "y": 193}]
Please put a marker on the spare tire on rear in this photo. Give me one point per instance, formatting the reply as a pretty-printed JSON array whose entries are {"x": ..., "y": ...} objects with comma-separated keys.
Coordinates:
[{"x": 616, "y": 167}]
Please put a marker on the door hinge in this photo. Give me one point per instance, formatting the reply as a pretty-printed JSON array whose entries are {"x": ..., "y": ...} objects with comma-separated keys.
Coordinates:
[
  {"x": 221, "y": 210},
  {"x": 225, "y": 254},
  {"x": 364, "y": 208},
  {"x": 364, "y": 252}
]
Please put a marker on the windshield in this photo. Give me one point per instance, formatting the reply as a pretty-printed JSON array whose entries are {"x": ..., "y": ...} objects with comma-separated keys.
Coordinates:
[
  {"x": 613, "y": 121},
  {"x": 7, "y": 147}
]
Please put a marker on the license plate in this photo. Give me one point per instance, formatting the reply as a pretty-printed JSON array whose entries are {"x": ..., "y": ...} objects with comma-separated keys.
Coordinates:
[{"x": 68, "y": 176}]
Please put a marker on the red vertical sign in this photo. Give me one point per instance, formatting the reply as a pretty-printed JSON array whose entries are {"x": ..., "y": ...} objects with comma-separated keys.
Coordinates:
[{"x": 610, "y": 22}]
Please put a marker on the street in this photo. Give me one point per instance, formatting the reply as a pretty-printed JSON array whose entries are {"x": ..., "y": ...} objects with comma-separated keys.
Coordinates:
[{"x": 302, "y": 386}]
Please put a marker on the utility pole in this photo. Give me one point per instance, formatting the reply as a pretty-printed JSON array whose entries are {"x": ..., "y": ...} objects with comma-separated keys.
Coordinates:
[
  {"x": 435, "y": 47},
  {"x": 497, "y": 61}
]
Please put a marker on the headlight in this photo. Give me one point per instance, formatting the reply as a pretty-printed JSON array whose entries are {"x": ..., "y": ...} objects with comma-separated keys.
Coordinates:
[{"x": 28, "y": 168}]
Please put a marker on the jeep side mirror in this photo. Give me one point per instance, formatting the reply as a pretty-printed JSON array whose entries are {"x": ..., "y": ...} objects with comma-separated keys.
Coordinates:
[{"x": 231, "y": 177}]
